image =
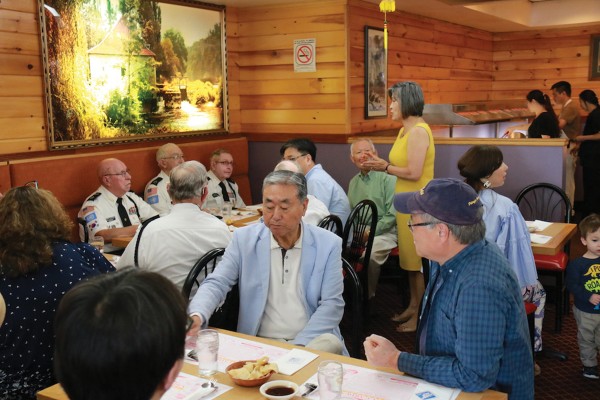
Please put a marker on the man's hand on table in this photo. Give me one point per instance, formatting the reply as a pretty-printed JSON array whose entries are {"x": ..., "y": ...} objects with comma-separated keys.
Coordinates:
[
  {"x": 196, "y": 324},
  {"x": 381, "y": 352}
]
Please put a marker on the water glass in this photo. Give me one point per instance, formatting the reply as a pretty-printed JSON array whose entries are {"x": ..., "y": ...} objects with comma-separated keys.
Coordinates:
[
  {"x": 98, "y": 243},
  {"x": 227, "y": 209},
  {"x": 331, "y": 375},
  {"x": 207, "y": 349}
]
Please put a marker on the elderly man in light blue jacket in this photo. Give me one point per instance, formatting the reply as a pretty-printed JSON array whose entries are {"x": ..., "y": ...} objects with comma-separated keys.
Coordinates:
[{"x": 289, "y": 273}]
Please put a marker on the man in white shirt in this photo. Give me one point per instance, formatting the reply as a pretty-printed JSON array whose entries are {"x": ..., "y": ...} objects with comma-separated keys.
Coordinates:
[
  {"x": 316, "y": 210},
  {"x": 112, "y": 210},
  {"x": 289, "y": 273},
  {"x": 221, "y": 187},
  {"x": 168, "y": 157},
  {"x": 172, "y": 244}
]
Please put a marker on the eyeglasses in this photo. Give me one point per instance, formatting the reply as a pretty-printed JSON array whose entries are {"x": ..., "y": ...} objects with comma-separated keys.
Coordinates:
[
  {"x": 226, "y": 163},
  {"x": 411, "y": 225},
  {"x": 32, "y": 184},
  {"x": 189, "y": 323},
  {"x": 294, "y": 158},
  {"x": 175, "y": 157},
  {"x": 123, "y": 174}
]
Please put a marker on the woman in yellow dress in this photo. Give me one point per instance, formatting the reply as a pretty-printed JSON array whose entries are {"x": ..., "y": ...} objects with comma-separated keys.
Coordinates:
[{"x": 411, "y": 161}]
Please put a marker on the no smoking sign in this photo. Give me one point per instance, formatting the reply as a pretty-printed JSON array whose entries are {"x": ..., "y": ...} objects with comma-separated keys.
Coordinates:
[{"x": 304, "y": 55}]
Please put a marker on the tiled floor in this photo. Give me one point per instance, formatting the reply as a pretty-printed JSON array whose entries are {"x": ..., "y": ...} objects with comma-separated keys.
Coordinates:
[{"x": 558, "y": 380}]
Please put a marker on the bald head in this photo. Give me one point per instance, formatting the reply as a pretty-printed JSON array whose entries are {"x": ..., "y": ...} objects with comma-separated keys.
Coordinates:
[
  {"x": 114, "y": 176},
  {"x": 288, "y": 165}
]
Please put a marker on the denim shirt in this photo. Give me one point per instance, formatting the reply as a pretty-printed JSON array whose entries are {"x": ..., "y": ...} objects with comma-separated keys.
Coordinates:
[{"x": 477, "y": 336}]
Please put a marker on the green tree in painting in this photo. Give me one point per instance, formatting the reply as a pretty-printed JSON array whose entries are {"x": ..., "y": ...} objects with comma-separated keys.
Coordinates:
[
  {"x": 205, "y": 62},
  {"x": 75, "y": 115},
  {"x": 179, "y": 48}
]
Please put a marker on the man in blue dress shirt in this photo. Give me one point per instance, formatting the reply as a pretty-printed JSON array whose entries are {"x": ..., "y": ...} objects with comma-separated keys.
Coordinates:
[
  {"x": 472, "y": 332},
  {"x": 320, "y": 183}
]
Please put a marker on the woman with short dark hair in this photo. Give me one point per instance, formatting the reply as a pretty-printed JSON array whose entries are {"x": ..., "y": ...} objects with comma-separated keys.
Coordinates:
[
  {"x": 484, "y": 169},
  {"x": 411, "y": 162},
  {"x": 38, "y": 265}
]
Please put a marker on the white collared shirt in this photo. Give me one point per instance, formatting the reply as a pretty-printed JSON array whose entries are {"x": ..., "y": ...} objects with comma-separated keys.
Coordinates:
[{"x": 285, "y": 313}]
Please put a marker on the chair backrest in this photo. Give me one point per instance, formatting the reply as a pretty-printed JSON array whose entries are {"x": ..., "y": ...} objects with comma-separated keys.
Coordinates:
[
  {"x": 83, "y": 226},
  {"x": 332, "y": 223},
  {"x": 357, "y": 239},
  {"x": 353, "y": 312},
  {"x": 205, "y": 265},
  {"x": 544, "y": 201}
]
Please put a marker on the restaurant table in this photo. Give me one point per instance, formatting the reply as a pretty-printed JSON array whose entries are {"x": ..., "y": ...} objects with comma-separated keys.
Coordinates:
[
  {"x": 561, "y": 233},
  {"x": 236, "y": 220},
  {"x": 251, "y": 393}
]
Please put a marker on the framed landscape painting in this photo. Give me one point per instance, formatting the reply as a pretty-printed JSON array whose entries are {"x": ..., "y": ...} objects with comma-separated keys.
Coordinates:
[
  {"x": 131, "y": 70},
  {"x": 375, "y": 74},
  {"x": 595, "y": 58}
]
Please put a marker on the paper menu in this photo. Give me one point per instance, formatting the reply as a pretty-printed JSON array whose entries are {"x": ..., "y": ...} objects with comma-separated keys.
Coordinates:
[
  {"x": 189, "y": 387},
  {"x": 232, "y": 349},
  {"x": 366, "y": 384}
]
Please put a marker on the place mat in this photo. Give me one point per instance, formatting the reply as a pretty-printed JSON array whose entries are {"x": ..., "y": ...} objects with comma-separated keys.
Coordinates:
[
  {"x": 189, "y": 387},
  {"x": 368, "y": 384}
]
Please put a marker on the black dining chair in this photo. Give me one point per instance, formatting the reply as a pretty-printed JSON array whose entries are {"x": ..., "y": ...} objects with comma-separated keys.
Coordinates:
[
  {"x": 357, "y": 240},
  {"x": 226, "y": 315},
  {"x": 352, "y": 322},
  {"x": 332, "y": 223},
  {"x": 547, "y": 202}
]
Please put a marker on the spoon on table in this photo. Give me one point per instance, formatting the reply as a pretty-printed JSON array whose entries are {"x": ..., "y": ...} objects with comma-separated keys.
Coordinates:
[{"x": 207, "y": 388}]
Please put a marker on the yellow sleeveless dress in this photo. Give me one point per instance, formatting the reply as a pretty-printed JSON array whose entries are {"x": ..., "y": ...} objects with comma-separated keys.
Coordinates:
[{"x": 409, "y": 260}]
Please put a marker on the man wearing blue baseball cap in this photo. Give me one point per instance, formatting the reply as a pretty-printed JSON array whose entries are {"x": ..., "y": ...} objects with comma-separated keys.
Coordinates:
[{"x": 472, "y": 332}]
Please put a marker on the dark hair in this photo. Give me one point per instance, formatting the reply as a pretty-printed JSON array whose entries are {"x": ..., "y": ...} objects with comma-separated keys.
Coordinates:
[
  {"x": 118, "y": 335},
  {"x": 32, "y": 221},
  {"x": 562, "y": 87},
  {"x": 589, "y": 96},
  {"x": 304, "y": 146},
  {"x": 543, "y": 100},
  {"x": 478, "y": 162},
  {"x": 411, "y": 98},
  {"x": 589, "y": 224}
]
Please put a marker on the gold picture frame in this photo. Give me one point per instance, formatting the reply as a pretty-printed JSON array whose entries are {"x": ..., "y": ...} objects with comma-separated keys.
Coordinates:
[{"x": 125, "y": 70}]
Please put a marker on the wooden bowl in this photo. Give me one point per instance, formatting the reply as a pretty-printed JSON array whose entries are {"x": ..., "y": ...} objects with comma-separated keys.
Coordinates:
[{"x": 247, "y": 382}]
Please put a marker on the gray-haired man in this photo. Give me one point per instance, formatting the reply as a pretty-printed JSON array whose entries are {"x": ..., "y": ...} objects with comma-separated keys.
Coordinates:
[{"x": 171, "y": 245}]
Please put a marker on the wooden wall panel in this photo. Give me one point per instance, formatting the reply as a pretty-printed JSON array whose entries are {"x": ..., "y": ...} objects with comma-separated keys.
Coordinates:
[
  {"x": 524, "y": 61},
  {"x": 272, "y": 97},
  {"x": 452, "y": 63},
  {"x": 22, "y": 116}
]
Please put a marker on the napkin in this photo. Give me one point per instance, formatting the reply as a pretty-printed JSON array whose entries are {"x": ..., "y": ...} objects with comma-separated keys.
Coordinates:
[
  {"x": 539, "y": 239},
  {"x": 293, "y": 360}
]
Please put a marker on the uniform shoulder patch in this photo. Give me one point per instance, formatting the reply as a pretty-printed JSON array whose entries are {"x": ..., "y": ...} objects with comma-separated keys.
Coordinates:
[
  {"x": 156, "y": 181},
  {"x": 94, "y": 196}
]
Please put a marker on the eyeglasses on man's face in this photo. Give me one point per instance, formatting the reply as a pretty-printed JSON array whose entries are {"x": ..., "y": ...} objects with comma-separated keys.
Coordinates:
[
  {"x": 292, "y": 158},
  {"x": 123, "y": 174},
  {"x": 226, "y": 163},
  {"x": 411, "y": 226},
  {"x": 175, "y": 157}
]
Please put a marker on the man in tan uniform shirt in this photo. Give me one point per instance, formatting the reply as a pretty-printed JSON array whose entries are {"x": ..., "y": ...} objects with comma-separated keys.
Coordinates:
[{"x": 569, "y": 121}]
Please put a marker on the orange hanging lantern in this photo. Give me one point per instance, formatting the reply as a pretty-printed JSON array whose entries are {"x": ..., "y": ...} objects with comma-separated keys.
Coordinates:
[{"x": 385, "y": 7}]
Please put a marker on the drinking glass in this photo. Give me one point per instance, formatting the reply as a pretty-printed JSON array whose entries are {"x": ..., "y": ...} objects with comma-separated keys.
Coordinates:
[
  {"x": 207, "y": 349},
  {"x": 227, "y": 209},
  {"x": 330, "y": 375},
  {"x": 98, "y": 243}
]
